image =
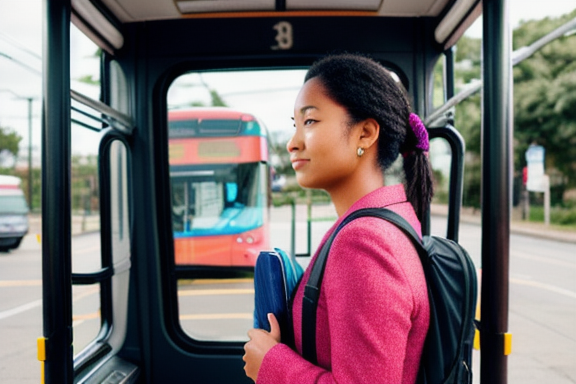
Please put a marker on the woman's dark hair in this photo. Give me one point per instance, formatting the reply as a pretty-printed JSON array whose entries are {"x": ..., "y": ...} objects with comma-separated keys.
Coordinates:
[{"x": 367, "y": 90}]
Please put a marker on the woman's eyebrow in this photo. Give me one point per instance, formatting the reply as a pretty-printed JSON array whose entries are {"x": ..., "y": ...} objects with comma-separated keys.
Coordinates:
[{"x": 305, "y": 109}]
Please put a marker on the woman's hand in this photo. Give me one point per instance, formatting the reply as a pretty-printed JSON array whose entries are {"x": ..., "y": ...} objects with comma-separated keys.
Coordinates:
[{"x": 259, "y": 344}]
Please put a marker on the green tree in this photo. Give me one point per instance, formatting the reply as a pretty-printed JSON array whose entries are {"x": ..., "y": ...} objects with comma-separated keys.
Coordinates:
[
  {"x": 91, "y": 79},
  {"x": 282, "y": 164},
  {"x": 468, "y": 122},
  {"x": 9, "y": 141},
  {"x": 544, "y": 104},
  {"x": 85, "y": 183},
  {"x": 9, "y": 144},
  {"x": 217, "y": 100},
  {"x": 467, "y": 60},
  {"x": 545, "y": 101},
  {"x": 468, "y": 116}
]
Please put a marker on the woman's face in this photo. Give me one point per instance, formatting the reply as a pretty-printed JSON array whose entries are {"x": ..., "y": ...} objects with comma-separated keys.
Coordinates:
[{"x": 322, "y": 149}]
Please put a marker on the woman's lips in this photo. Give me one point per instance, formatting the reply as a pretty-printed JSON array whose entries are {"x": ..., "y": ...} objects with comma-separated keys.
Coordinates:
[{"x": 299, "y": 163}]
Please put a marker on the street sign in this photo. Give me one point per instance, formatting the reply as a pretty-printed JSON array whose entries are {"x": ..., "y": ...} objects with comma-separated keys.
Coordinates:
[{"x": 535, "y": 159}]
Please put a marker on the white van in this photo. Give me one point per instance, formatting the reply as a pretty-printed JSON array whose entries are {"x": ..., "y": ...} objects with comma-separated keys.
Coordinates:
[{"x": 13, "y": 213}]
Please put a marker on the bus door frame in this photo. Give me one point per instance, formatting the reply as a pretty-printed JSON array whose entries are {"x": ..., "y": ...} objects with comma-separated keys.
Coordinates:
[
  {"x": 496, "y": 194},
  {"x": 56, "y": 343}
]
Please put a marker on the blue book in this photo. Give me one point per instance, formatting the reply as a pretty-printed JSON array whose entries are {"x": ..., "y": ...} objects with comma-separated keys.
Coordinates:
[{"x": 276, "y": 275}]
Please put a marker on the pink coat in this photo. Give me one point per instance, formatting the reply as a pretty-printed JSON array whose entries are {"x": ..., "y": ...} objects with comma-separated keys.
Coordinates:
[{"x": 373, "y": 310}]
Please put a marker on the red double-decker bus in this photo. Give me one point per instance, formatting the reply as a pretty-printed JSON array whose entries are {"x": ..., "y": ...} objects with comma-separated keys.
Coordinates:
[{"x": 219, "y": 186}]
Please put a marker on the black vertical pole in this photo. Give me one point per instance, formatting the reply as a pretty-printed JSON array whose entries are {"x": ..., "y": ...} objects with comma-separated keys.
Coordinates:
[
  {"x": 29, "y": 153},
  {"x": 449, "y": 72},
  {"x": 56, "y": 231},
  {"x": 496, "y": 189}
]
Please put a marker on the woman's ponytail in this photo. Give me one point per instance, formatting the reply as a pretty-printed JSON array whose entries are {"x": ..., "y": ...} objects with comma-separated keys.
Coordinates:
[{"x": 417, "y": 170}]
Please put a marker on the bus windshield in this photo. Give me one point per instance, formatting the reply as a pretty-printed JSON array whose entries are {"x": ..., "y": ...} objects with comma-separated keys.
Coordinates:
[
  {"x": 211, "y": 200},
  {"x": 14, "y": 204}
]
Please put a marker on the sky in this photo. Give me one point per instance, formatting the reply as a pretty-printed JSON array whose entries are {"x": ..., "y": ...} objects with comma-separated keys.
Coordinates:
[{"x": 20, "y": 78}]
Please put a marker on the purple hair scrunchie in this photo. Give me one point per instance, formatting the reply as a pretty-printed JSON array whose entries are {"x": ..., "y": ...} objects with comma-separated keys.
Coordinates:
[{"x": 420, "y": 131}]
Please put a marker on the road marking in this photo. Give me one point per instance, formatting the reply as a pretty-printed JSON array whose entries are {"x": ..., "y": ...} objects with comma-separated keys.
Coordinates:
[
  {"x": 20, "y": 283},
  {"x": 217, "y": 316},
  {"x": 546, "y": 260},
  {"x": 215, "y": 281},
  {"x": 79, "y": 319},
  {"x": 80, "y": 295},
  {"x": 87, "y": 316},
  {"x": 35, "y": 303},
  {"x": 203, "y": 292},
  {"x": 20, "y": 309},
  {"x": 544, "y": 286}
]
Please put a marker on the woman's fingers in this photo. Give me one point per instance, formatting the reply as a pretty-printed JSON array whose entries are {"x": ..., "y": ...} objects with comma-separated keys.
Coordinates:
[
  {"x": 259, "y": 344},
  {"x": 274, "y": 327}
]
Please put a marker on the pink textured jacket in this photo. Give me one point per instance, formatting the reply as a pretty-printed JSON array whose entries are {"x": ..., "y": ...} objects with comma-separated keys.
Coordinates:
[{"x": 373, "y": 310}]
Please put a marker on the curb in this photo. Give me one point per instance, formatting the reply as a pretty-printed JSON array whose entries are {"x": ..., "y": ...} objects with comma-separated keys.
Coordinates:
[
  {"x": 79, "y": 224},
  {"x": 540, "y": 230}
]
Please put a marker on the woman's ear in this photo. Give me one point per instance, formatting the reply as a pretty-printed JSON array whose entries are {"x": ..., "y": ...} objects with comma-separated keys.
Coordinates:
[{"x": 369, "y": 133}]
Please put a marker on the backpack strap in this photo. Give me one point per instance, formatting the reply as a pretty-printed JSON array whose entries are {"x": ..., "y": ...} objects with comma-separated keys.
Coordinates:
[{"x": 312, "y": 288}]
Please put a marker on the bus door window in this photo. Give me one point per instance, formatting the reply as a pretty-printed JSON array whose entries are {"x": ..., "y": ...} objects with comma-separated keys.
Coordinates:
[
  {"x": 100, "y": 210},
  {"x": 85, "y": 196},
  {"x": 220, "y": 191}
]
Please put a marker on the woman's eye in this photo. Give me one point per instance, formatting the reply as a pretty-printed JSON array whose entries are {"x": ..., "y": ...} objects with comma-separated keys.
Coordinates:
[{"x": 309, "y": 121}]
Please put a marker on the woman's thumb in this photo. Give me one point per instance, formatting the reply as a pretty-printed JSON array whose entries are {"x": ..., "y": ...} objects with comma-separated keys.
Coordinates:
[{"x": 274, "y": 327}]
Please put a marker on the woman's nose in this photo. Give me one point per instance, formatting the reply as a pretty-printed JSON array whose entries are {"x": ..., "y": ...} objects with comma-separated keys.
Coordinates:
[
  {"x": 291, "y": 144},
  {"x": 295, "y": 142}
]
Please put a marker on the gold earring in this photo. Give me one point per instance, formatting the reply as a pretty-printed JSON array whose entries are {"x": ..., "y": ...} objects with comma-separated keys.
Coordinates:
[{"x": 360, "y": 151}]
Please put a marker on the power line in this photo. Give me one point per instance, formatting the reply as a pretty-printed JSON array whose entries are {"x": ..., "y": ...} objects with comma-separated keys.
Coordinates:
[
  {"x": 26, "y": 66},
  {"x": 264, "y": 90},
  {"x": 16, "y": 44}
]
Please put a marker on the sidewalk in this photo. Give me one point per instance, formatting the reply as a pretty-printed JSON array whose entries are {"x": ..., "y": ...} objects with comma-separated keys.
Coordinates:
[
  {"x": 80, "y": 224},
  {"x": 468, "y": 215}
]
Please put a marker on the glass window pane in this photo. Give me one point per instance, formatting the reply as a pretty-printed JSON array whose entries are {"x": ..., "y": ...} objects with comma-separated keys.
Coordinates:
[
  {"x": 85, "y": 191},
  {"x": 85, "y": 66},
  {"x": 86, "y": 317},
  {"x": 440, "y": 159},
  {"x": 121, "y": 252},
  {"x": 438, "y": 86},
  {"x": 216, "y": 309},
  {"x": 220, "y": 178}
]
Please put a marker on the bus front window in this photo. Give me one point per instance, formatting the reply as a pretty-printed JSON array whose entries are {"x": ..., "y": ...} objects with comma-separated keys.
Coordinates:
[{"x": 224, "y": 201}]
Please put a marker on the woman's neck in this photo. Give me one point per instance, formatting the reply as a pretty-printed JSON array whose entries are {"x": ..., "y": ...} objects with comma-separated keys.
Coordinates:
[{"x": 345, "y": 195}]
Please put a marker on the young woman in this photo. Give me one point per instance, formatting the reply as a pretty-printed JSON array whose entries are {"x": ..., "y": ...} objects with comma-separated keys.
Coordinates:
[{"x": 352, "y": 122}]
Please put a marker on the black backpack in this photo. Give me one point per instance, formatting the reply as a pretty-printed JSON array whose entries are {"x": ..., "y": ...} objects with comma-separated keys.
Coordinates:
[{"x": 452, "y": 292}]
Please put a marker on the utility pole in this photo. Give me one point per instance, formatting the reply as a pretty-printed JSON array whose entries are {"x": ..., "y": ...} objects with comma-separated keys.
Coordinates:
[
  {"x": 30, "y": 200},
  {"x": 29, "y": 100}
]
